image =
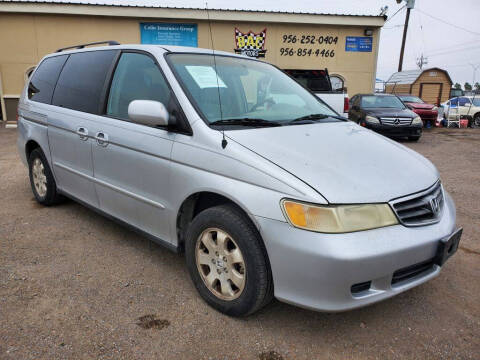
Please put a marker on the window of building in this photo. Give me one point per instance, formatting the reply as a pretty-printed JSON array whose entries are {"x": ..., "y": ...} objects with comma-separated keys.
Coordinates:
[
  {"x": 82, "y": 80},
  {"x": 338, "y": 82},
  {"x": 42, "y": 84},
  {"x": 136, "y": 77}
]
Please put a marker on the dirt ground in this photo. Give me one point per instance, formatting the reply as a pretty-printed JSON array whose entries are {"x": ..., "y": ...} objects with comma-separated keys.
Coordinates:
[{"x": 74, "y": 285}]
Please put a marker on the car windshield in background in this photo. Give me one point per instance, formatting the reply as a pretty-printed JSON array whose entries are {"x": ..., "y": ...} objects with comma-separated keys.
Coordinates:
[
  {"x": 382, "y": 102},
  {"x": 251, "y": 92},
  {"x": 411, "y": 99}
]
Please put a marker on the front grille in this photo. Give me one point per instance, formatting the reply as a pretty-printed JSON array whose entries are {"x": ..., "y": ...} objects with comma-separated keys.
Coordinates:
[
  {"x": 428, "y": 116},
  {"x": 420, "y": 209},
  {"x": 396, "y": 121},
  {"x": 412, "y": 271}
]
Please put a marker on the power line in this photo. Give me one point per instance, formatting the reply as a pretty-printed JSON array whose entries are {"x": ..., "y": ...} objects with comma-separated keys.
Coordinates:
[
  {"x": 450, "y": 51},
  {"x": 392, "y": 27},
  {"x": 448, "y": 23},
  {"x": 452, "y": 47}
]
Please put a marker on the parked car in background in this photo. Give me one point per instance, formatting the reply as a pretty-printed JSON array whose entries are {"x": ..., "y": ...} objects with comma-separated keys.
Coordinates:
[
  {"x": 385, "y": 114},
  {"x": 427, "y": 112},
  {"x": 319, "y": 82},
  {"x": 463, "y": 106}
]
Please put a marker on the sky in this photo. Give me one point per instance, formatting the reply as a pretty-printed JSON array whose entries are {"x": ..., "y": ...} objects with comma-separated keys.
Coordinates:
[
  {"x": 450, "y": 47},
  {"x": 446, "y": 32}
]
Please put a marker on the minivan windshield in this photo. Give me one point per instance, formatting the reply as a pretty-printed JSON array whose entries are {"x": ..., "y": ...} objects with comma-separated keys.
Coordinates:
[
  {"x": 374, "y": 101},
  {"x": 227, "y": 89}
]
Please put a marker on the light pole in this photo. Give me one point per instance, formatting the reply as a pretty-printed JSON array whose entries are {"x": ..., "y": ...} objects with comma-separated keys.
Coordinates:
[{"x": 410, "y": 6}]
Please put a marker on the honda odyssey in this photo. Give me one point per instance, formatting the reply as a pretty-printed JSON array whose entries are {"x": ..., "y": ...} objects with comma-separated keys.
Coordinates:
[{"x": 228, "y": 159}]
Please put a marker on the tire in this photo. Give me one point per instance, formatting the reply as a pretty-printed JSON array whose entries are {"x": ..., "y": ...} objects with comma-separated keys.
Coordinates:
[
  {"x": 476, "y": 121},
  {"x": 413, "y": 138},
  {"x": 237, "y": 231},
  {"x": 41, "y": 179}
]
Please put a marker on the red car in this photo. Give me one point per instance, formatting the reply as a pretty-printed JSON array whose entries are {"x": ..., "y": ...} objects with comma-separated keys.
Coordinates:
[{"x": 427, "y": 112}]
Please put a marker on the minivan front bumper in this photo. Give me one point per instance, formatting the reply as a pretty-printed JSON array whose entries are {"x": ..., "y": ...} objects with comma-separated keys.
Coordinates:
[{"x": 317, "y": 271}]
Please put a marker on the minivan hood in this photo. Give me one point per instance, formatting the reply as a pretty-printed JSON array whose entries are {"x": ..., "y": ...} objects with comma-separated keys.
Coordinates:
[
  {"x": 380, "y": 112},
  {"x": 344, "y": 162}
]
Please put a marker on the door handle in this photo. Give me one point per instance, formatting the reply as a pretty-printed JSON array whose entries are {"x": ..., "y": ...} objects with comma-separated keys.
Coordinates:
[
  {"x": 83, "y": 133},
  {"x": 102, "y": 139}
]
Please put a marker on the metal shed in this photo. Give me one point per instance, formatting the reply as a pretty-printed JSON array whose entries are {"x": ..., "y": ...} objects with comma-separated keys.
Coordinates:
[{"x": 431, "y": 85}]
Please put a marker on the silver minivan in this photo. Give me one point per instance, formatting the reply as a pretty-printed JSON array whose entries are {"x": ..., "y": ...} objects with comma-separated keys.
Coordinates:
[{"x": 262, "y": 185}]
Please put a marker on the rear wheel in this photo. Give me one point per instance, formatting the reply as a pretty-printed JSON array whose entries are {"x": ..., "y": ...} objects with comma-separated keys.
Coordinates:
[
  {"x": 41, "y": 179},
  {"x": 227, "y": 261}
]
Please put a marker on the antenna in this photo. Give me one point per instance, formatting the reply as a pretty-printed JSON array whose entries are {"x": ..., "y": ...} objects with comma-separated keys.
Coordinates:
[{"x": 224, "y": 140}]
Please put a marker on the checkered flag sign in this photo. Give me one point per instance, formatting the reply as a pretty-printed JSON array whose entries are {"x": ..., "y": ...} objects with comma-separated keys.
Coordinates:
[{"x": 250, "y": 44}]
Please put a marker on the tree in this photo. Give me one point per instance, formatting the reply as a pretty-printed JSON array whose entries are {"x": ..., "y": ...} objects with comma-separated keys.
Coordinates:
[
  {"x": 467, "y": 86},
  {"x": 457, "y": 86}
]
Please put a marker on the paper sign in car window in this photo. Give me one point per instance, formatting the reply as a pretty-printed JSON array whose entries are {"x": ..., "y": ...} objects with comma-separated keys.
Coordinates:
[{"x": 205, "y": 76}]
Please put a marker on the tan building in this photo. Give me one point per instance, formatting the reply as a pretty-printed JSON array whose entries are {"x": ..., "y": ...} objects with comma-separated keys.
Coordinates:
[
  {"x": 345, "y": 44},
  {"x": 431, "y": 85}
]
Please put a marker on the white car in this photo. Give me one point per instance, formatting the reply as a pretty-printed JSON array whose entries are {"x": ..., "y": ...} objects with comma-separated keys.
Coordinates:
[{"x": 463, "y": 105}]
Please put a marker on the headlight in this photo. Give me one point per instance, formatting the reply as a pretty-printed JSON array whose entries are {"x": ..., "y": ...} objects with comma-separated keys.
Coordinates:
[
  {"x": 372, "y": 119},
  {"x": 435, "y": 108},
  {"x": 417, "y": 120},
  {"x": 338, "y": 219}
]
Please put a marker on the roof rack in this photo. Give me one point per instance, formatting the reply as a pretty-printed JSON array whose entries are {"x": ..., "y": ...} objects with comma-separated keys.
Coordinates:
[{"x": 81, "y": 46}]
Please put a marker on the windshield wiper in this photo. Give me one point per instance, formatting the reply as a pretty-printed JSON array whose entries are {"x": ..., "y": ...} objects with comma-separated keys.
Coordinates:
[
  {"x": 313, "y": 117},
  {"x": 246, "y": 122}
]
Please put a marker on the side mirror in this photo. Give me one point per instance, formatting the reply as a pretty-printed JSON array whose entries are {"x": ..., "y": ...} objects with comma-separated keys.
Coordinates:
[
  {"x": 355, "y": 107},
  {"x": 148, "y": 112}
]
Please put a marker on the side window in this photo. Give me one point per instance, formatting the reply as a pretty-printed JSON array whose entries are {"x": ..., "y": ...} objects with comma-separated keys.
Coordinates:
[
  {"x": 454, "y": 102},
  {"x": 136, "y": 77},
  {"x": 42, "y": 84},
  {"x": 464, "y": 101},
  {"x": 82, "y": 79}
]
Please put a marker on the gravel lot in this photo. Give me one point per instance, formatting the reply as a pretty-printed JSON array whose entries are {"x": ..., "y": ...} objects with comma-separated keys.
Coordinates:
[{"x": 74, "y": 285}]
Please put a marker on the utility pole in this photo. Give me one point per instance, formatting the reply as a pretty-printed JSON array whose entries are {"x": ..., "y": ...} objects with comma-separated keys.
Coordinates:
[
  {"x": 422, "y": 60},
  {"x": 410, "y": 6},
  {"x": 474, "y": 67}
]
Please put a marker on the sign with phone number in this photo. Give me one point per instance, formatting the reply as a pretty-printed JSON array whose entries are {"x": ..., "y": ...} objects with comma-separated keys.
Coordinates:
[{"x": 308, "y": 40}]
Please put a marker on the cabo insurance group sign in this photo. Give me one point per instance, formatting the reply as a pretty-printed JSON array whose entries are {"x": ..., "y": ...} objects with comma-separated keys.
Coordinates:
[{"x": 169, "y": 34}]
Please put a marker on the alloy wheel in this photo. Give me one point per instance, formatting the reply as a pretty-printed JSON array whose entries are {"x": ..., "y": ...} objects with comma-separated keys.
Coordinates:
[
  {"x": 220, "y": 264},
  {"x": 39, "y": 177}
]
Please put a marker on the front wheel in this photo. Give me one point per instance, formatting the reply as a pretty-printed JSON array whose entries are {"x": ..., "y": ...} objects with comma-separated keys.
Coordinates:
[
  {"x": 227, "y": 261},
  {"x": 476, "y": 121}
]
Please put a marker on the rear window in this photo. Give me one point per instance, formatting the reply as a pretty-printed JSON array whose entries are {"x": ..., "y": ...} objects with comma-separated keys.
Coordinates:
[
  {"x": 82, "y": 79},
  {"x": 382, "y": 102},
  {"x": 42, "y": 84},
  {"x": 315, "y": 80},
  {"x": 411, "y": 99}
]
